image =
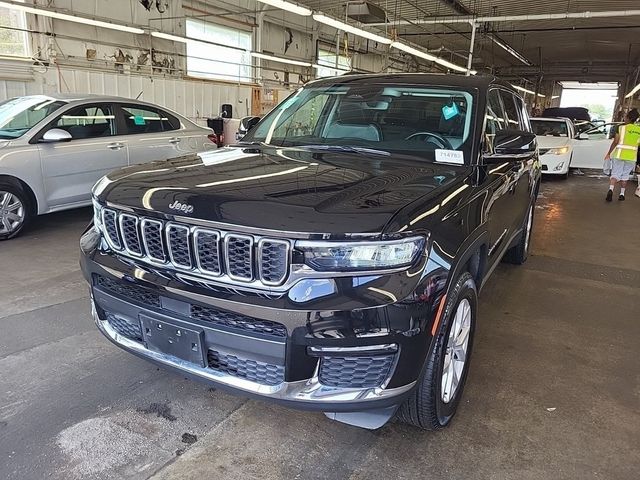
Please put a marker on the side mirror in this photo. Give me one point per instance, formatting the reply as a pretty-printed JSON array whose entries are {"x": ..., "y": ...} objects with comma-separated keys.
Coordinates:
[
  {"x": 252, "y": 122},
  {"x": 583, "y": 136},
  {"x": 512, "y": 145},
  {"x": 56, "y": 135}
]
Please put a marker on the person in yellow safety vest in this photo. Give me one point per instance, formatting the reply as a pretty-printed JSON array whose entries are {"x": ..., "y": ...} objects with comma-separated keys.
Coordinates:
[{"x": 623, "y": 154}]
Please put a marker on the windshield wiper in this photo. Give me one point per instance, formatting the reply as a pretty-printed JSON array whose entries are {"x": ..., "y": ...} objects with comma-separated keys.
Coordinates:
[{"x": 347, "y": 148}]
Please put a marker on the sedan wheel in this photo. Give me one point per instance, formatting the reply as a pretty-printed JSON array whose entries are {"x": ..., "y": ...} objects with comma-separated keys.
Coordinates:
[{"x": 12, "y": 213}]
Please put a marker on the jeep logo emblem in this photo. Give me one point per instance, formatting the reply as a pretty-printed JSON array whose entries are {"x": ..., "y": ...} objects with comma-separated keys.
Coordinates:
[{"x": 181, "y": 207}]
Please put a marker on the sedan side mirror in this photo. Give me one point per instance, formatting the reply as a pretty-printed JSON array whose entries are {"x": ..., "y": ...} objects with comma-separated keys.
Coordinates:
[
  {"x": 512, "y": 145},
  {"x": 583, "y": 136},
  {"x": 252, "y": 122},
  {"x": 56, "y": 135}
]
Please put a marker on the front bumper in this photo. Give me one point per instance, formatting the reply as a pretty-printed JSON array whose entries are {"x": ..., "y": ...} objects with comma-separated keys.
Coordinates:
[
  {"x": 318, "y": 357},
  {"x": 555, "y": 164}
]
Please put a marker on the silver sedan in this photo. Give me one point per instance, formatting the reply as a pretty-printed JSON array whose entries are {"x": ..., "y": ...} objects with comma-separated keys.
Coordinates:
[{"x": 54, "y": 148}]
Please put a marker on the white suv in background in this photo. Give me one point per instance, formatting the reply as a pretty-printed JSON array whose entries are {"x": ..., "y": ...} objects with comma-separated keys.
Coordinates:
[{"x": 555, "y": 144}]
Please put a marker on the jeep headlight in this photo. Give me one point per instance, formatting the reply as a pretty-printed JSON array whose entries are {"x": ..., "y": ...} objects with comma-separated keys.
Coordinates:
[
  {"x": 97, "y": 215},
  {"x": 355, "y": 255},
  {"x": 558, "y": 151}
]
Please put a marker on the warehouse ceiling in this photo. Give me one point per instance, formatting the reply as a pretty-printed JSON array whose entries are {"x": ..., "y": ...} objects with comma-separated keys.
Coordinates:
[{"x": 579, "y": 49}]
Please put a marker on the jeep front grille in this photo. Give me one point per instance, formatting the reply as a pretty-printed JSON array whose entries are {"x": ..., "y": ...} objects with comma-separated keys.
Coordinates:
[{"x": 226, "y": 256}]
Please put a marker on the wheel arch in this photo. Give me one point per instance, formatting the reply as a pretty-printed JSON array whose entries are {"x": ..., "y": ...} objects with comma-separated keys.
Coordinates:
[{"x": 33, "y": 200}]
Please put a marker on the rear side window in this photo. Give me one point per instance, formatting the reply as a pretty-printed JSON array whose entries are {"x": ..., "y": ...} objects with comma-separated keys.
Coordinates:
[
  {"x": 88, "y": 121},
  {"x": 139, "y": 119}
]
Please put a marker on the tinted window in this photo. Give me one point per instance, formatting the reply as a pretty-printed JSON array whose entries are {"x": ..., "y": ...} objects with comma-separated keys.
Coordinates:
[
  {"x": 140, "y": 119},
  {"x": 88, "y": 121},
  {"x": 512, "y": 109},
  {"x": 496, "y": 119}
]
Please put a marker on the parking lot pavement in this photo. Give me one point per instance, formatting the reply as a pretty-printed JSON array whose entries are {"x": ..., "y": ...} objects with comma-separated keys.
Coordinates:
[{"x": 553, "y": 390}]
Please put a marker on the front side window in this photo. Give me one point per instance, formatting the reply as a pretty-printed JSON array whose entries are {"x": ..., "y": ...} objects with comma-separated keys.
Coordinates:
[
  {"x": 88, "y": 121},
  {"x": 407, "y": 119},
  {"x": 14, "y": 41},
  {"x": 148, "y": 120},
  {"x": 205, "y": 60},
  {"x": 512, "y": 110},
  {"x": 19, "y": 115}
]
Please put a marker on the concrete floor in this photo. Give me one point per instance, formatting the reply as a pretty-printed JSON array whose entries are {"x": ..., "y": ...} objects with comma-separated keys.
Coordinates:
[{"x": 553, "y": 392}]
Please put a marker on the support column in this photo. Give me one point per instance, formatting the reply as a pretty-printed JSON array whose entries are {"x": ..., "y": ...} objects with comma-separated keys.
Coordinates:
[{"x": 474, "y": 26}]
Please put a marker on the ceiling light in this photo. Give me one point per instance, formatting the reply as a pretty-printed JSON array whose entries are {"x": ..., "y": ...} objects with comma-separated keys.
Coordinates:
[
  {"x": 510, "y": 49},
  {"x": 69, "y": 18},
  {"x": 633, "y": 92},
  {"x": 288, "y": 6},
  {"x": 427, "y": 56},
  {"x": 168, "y": 36},
  {"x": 522, "y": 89},
  {"x": 345, "y": 27},
  {"x": 280, "y": 59}
]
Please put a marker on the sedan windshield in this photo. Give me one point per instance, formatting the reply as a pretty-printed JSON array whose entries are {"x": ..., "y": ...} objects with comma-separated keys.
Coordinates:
[
  {"x": 387, "y": 119},
  {"x": 19, "y": 115},
  {"x": 549, "y": 128}
]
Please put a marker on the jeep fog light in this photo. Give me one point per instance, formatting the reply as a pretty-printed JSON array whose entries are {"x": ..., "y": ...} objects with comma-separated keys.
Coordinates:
[{"x": 354, "y": 256}]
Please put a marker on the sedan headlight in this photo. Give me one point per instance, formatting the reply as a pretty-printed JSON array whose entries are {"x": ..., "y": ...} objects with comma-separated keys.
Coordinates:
[
  {"x": 354, "y": 255},
  {"x": 558, "y": 151}
]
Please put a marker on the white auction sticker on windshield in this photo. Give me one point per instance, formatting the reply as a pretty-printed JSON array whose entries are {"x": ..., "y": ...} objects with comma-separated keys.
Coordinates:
[{"x": 449, "y": 156}]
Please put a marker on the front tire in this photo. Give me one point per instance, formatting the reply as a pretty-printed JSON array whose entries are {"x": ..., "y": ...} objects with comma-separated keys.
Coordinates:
[
  {"x": 435, "y": 400},
  {"x": 15, "y": 210}
]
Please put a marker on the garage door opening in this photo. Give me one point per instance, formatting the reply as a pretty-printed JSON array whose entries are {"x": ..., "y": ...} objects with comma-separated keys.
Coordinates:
[{"x": 598, "y": 98}]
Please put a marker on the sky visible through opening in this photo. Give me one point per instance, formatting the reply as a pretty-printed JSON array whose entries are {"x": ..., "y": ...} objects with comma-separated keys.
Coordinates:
[{"x": 599, "y": 102}]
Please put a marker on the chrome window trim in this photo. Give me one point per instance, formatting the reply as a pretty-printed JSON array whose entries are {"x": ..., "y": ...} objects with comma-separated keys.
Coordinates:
[
  {"x": 148, "y": 221},
  {"x": 287, "y": 272},
  {"x": 237, "y": 278},
  {"x": 106, "y": 234},
  {"x": 197, "y": 231},
  {"x": 121, "y": 219},
  {"x": 177, "y": 226}
]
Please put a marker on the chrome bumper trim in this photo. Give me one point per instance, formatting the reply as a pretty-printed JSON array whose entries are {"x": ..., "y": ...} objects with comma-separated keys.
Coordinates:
[{"x": 303, "y": 391}]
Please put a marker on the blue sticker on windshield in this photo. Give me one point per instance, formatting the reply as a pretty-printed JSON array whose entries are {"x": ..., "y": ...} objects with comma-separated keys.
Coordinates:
[{"x": 450, "y": 111}]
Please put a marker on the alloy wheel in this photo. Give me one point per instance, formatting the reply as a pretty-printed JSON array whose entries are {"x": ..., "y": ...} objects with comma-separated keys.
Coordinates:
[
  {"x": 457, "y": 351},
  {"x": 12, "y": 212}
]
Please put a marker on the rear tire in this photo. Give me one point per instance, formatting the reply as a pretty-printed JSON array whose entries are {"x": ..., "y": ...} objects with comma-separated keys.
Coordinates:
[
  {"x": 15, "y": 210},
  {"x": 435, "y": 399},
  {"x": 519, "y": 253}
]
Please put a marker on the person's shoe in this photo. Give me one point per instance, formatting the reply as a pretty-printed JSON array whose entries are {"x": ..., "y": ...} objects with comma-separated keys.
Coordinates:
[
  {"x": 621, "y": 198},
  {"x": 609, "y": 195},
  {"x": 637, "y": 192}
]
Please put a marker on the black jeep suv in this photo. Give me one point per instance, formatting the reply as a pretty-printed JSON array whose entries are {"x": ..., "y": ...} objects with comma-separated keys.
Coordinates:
[{"x": 331, "y": 261}]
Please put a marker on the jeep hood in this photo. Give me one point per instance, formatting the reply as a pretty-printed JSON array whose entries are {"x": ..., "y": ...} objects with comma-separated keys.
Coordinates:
[{"x": 289, "y": 189}]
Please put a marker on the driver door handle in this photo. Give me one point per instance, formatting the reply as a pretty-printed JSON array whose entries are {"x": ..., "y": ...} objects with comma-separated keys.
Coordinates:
[
  {"x": 175, "y": 140},
  {"x": 115, "y": 146}
]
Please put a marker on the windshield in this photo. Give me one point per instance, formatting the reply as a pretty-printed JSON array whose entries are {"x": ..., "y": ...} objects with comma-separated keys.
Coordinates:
[
  {"x": 406, "y": 119},
  {"x": 549, "y": 128},
  {"x": 19, "y": 115}
]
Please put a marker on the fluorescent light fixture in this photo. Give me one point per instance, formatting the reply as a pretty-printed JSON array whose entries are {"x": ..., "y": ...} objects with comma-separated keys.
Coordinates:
[
  {"x": 288, "y": 6},
  {"x": 510, "y": 49},
  {"x": 280, "y": 59},
  {"x": 635, "y": 90},
  {"x": 555, "y": 96},
  {"x": 345, "y": 27},
  {"x": 168, "y": 36},
  {"x": 69, "y": 18},
  {"x": 427, "y": 56},
  {"x": 522, "y": 89}
]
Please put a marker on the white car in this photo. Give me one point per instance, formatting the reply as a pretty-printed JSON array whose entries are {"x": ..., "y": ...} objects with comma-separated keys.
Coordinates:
[
  {"x": 555, "y": 144},
  {"x": 54, "y": 148}
]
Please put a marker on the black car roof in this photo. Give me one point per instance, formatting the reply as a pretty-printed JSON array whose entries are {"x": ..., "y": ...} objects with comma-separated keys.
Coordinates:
[{"x": 481, "y": 82}]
